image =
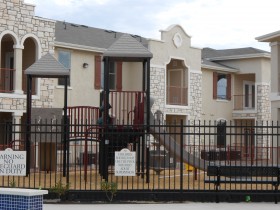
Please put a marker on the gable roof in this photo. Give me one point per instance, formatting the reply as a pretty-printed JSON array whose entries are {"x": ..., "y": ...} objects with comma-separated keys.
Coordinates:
[
  {"x": 231, "y": 53},
  {"x": 81, "y": 35},
  {"x": 271, "y": 37},
  {"x": 47, "y": 66},
  {"x": 127, "y": 47},
  {"x": 210, "y": 57}
]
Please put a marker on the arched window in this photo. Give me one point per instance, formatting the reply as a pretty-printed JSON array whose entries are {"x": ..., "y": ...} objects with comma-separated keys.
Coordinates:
[
  {"x": 7, "y": 67},
  {"x": 28, "y": 58},
  {"x": 177, "y": 83}
]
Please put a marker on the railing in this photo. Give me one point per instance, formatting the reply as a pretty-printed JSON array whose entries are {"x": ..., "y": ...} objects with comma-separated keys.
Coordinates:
[
  {"x": 160, "y": 161},
  {"x": 7, "y": 80},
  {"x": 244, "y": 102},
  {"x": 82, "y": 115},
  {"x": 177, "y": 95},
  {"x": 127, "y": 107}
]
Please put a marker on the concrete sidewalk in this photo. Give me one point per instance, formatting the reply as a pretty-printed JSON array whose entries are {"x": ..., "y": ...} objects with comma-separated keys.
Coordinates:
[{"x": 166, "y": 206}]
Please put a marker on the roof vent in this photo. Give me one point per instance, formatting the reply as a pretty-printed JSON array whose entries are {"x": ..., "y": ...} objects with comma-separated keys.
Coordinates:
[
  {"x": 137, "y": 36},
  {"x": 109, "y": 31},
  {"x": 64, "y": 25}
]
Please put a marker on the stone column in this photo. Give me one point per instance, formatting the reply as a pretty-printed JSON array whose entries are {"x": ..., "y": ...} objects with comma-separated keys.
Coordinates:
[
  {"x": 18, "y": 67},
  {"x": 17, "y": 122}
]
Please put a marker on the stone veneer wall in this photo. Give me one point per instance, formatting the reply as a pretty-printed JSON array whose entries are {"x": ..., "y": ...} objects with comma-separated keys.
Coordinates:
[
  {"x": 157, "y": 90},
  {"x": 195, "y": 99},
  {"x": 263, "y": 141},
  {"x": 157, "y": 82},
  {"x": 46, "y": 99},
  {"x": 263, "y": 103},
  {"x": 18, "y": 17},
  {"x": 195, "y": 96}
]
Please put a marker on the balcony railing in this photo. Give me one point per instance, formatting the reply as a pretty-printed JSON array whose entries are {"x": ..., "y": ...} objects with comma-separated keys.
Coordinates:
[
  {"x": 7, "y": 80},
  {"x": 244, "y": 102},
  {"x": 177, "y": 95}
]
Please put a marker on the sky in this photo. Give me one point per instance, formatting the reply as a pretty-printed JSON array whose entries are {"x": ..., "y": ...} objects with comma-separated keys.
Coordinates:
[{"x": 219, "y": 24}]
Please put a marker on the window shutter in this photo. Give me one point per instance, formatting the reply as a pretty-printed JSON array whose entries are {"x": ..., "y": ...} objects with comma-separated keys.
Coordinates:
[
  {"x": 229, "y": 87},
  {"x": 119, "y": 76},
  {"x": 97, "y": 73},
  {"x": 215, "y": 80}
]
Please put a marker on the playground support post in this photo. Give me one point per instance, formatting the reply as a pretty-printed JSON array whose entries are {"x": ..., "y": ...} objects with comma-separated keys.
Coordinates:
[
  {"x": 65, "y": 142},
  {"x": 28, "y": 124}
]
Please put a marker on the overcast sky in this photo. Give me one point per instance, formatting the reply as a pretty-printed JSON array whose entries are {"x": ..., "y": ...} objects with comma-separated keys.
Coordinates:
[{"x": 220, "y": 24}]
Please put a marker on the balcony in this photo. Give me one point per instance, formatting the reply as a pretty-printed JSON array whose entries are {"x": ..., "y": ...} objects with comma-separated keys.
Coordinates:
[
  {"x": 244, "y": 102},
  {"x": 7, "y": 80},
  {"x": 177, "y": 96}
]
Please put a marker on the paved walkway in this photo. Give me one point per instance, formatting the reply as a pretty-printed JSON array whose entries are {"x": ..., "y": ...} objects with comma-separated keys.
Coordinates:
[{"x": 166, "y": 206}]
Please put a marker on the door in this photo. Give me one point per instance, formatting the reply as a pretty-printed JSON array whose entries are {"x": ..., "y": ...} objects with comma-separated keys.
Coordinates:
[
  {"x": 249, "y": 143},
  {"x": 9, "y": 72},
  {"x": 173, "y": 122},
  {"x": 249, "y": 95}
]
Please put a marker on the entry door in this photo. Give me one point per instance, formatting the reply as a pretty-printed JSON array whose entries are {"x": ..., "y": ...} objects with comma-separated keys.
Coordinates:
[
  {"x": 249, "y": 143},
  {"x": 249, "y": 95},
  {"x": 173, "y": 122},
  {"x": 8, "y": 72}
]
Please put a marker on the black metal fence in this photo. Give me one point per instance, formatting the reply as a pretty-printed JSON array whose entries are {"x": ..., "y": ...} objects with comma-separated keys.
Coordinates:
[{"x": 170, "y": 160}]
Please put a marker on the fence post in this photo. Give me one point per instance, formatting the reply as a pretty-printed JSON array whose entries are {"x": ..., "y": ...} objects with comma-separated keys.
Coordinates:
[
  {"x": 148, "y": 158},
  {"x": 181, "y": 155}
]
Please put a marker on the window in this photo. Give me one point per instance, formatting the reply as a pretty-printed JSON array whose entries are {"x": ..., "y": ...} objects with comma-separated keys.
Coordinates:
[
  {"x": 114, "y": 78},
  {"x": 64, "y": 57},
  {"x": 221, "y": 134},
  {"x": 249, "y": 95},
  {"x": 221, "y": 86}
]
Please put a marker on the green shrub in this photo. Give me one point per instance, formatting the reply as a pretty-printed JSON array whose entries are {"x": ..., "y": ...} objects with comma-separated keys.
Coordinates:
[
  {"x": 110, "y": 189},
  {"x": 59, "y": 188}
]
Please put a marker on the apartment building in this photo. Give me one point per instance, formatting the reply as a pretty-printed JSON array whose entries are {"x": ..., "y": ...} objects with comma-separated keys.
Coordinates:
[{"x": 187, "y": 83}]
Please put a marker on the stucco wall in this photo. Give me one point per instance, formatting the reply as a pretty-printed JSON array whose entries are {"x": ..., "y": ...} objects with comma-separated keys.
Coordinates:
[
  {"x": 258, "y": 66},
  {"x": 163, "y": 51},
  {"x": 213, "y": 109},
  {"x": 81, "y": 91}
]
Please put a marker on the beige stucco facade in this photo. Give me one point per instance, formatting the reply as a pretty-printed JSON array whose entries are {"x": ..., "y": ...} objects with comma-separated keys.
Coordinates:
[
  {"x": 174, "y": 49},
  {"x": 253, "y": 71},
  {"x": 81, "y": 91}
]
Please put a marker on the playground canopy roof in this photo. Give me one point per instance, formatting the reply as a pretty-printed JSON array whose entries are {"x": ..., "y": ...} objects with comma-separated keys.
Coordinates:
[
  {"x": 47, "y": 66},
  {"x": 127, "y": 48}
]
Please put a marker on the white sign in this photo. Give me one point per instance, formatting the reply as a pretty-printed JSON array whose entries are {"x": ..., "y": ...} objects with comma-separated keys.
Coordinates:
[
  {"x": 12, "y": 163},
  {"x": 125, "y": 163}
]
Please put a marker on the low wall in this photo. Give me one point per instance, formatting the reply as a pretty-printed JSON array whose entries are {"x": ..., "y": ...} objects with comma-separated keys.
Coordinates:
[{"x": 21, "y": 199}]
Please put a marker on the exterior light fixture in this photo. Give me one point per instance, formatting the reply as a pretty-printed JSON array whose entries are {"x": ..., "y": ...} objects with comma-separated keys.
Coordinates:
[{"x": 85, "y": 65}]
